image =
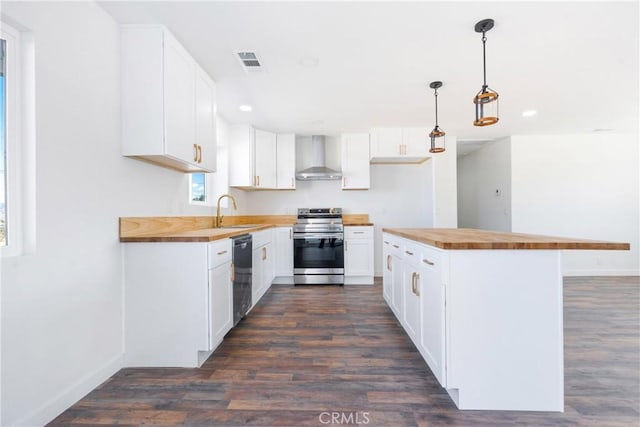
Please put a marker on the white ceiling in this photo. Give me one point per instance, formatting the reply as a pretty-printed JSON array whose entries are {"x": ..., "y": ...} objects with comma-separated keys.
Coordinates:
[{"x": 576, "y": 63}]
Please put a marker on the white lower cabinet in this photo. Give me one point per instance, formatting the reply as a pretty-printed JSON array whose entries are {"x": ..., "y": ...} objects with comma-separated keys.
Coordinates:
[
  {"x": 177, "y": 302},
  {"x": 263, "y": 265},
  {"x": 284, "y": 250},
  {"x": 432, "y": 310},
  {"x": 411, "y": 313},
  {"x": 488, "y": 323},
  {"x": 358, "y": 255},
  {"x": 413, "y": 287},
  {"x": 221, "y": 303}
]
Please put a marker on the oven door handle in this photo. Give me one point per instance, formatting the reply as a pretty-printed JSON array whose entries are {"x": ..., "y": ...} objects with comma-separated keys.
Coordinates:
[{"x": 303, "y": 236}]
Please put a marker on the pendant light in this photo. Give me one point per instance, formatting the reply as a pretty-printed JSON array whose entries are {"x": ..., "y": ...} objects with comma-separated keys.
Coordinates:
[
  {"x": 486, "y": 100},
  {"x": 437, "y": 135}
]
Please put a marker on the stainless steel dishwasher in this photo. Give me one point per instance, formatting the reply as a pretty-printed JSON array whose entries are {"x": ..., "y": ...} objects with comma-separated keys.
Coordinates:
[{"x": 242, "y": 251}]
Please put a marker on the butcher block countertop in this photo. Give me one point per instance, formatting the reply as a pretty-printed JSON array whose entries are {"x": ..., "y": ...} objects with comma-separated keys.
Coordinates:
[
  {"x": 201, "y": 229},
  {"x": 469, "y": 238}
]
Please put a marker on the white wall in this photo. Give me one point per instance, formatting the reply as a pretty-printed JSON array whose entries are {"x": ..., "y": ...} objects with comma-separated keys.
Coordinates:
[
  {"x": 583, "y": 186},
  {"x": 480, "y": 174},
  {"x": 61, "y": 304},
  {"x": 445, "y": 186}
]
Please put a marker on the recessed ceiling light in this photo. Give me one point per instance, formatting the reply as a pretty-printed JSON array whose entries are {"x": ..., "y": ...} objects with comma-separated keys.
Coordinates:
[
  {"x": 309, "y": 62},
  {"x": 245, "y": 108},
  {"x": 529, "y": 113}
]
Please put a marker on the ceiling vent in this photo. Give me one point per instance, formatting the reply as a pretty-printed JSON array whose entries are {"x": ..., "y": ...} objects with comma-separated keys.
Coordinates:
[{"x": 250, "y": 61}]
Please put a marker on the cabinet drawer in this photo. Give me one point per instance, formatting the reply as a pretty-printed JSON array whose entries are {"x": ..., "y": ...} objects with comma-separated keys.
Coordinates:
[
  {"x": 262, "y": 237},
  {"x": 359, "y": 232},
  {"x": 392, "y": 243},
  {"x": 219, "y": 252},
  {"x": 411, "y": 253},
  {"x": 430, "y": 258}
]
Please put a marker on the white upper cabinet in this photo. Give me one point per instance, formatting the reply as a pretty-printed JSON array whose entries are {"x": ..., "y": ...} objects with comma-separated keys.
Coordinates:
[
  {"x": 252, "y": 158},
  {"x": 168, "y": 102},
  {"x": 399, "y": 145},
  {"x": 265, "y": 161},
  {"x": 286, "y": 161},
  {"x": 355, "y": 161},
  {"x": 206, "y": 120},
  {"x": 241, "y": 156}
]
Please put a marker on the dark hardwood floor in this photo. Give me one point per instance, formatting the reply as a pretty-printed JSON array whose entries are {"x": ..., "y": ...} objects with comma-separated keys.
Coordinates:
[{"x": 313, "y": 356}]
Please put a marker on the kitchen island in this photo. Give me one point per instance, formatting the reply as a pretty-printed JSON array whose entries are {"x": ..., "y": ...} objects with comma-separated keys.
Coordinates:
[{"x": 485, "y": 310}]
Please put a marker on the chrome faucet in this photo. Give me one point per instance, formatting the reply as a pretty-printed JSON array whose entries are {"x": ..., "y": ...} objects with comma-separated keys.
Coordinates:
[{"x": 218, "y": 216}]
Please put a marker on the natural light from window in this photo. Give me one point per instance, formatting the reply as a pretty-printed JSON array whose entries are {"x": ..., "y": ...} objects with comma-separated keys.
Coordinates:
[
  {"x": 198, "y": 193},
  {"x": 3, "y": 157}
]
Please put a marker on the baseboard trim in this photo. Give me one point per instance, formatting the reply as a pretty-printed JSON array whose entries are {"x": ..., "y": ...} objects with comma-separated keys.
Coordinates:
[
  {"x": 54, "y": 407},
  {"x": 580, "y": 273}
]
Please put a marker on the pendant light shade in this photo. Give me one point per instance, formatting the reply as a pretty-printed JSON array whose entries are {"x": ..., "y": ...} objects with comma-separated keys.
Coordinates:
[
  {"x": 486, "y": 101},
  {"x": 437, "y": 135}
]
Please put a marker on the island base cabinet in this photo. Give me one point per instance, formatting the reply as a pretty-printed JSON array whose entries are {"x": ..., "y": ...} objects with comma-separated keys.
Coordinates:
[
  {"x": 487, "y": 322},
  {"x": 504, "y": 326}
]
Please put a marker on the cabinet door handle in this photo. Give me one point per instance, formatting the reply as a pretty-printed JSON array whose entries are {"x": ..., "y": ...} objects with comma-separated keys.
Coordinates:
[
  {"x": 345, "y": 245},
  {"x": 344, "y": 181},
  {"x": 386, "y": 243},
  {"x": 290, "y": 232},
  {"x": 291, "y": 182},
  {"x": 195, "y": 153},
  {"x": 389, "y": 262},
  {"x": 199, "y": 153},
  {"x": 400, "y": 149},
  {"x": 264, "y": 253},
  {"x": 222, "y": 252},
  {"x": 258, "y": 181},
  {"x": 426, "y": 261},
  {"x": 408, "y": 253},
  {"x": 358, "y": 232},
  {"x": 233, "y": 272},
  {"x": 396, "y": 246},
  {"x": 413, "y": 283},
  {"x": 417, "y": 292}
]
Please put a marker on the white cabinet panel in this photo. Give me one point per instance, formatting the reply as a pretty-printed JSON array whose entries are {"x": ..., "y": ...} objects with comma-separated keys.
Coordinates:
[
  {"x": 432, "y": 300},
  {"x": 241, "y": 156},
  {"x": 252, "y": 158},
  {"x": 284, "y": 251},
  {"x": 263, "y": 258},
  {"x": 162, "y": 95},
  {"x": 220, "y": 303},
  {"x": 179, "y": 96},
  {"x": 286, "y": 161},
  {"x": 399, "y": 145},
  {"x": 358, "y": 255},
  {"x": 355, "y": 161},
  {"x": 176, "y": 307},
  {"x": 386, "y": 142},
  {"x": 206, "y": 120},
  {"x": 265, "y": 161}
]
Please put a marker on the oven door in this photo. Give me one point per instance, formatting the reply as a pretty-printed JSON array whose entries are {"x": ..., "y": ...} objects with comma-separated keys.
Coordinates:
[{"x": 318, "y": 257}]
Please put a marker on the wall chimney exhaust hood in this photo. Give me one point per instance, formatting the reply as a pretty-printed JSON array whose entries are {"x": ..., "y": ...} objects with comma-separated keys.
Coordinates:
[{"x": 318, "y": 171}]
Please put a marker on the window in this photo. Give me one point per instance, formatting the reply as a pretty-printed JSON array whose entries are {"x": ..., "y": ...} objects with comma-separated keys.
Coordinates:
[
  {"x": 17, "y": 142},
  {"x": 199, "y": 189},
  {"x": 3, "y": 145}
]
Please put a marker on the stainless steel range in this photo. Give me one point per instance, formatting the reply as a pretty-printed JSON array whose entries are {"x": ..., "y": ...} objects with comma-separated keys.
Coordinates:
[{"x": 318, "y": 245}]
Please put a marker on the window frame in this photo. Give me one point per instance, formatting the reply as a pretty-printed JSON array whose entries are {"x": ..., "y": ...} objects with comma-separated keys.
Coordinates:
[
  {"x": 208, "y": 196},
  {"x": 13, "y": 152}
]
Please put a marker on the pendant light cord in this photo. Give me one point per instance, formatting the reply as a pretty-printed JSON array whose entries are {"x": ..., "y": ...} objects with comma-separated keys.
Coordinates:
[
  {"x": 436, "y": 93},
  {"x": 484, "y": 61}
]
